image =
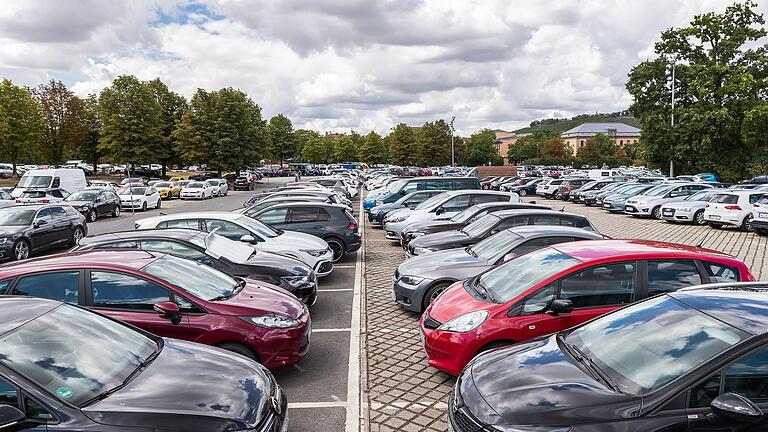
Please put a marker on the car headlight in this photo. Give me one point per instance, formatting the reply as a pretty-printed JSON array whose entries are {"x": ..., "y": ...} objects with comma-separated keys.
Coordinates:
[
  {"x": 685, "y": 209},
  {"x": 272, "y": 321},
  {"x": 314, "y": 252},
  {"x": 83, "y": 208},
  {"x": 297, "y": 281},
  {"x": 3, "y": 240},
  {"x": 421, "y": 250},
  {"x": 411, "y": 280},
  {"x": 378, "y": 203},
  {"x": 466, "y": 322},
  {"x": 137, "y": 200},
  {"x": 415, "y": 234},
  {"x": 397, "y": 219}
]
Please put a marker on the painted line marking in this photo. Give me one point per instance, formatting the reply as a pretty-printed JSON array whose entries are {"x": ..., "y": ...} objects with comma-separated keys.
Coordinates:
[
  {"x": 330, "y": 330},
  {"x": 335, "y": 290},
  {"x": 339, "y": 404},
  {"x": 354, "y": 420},
  {"x": 345, "y": 266}
]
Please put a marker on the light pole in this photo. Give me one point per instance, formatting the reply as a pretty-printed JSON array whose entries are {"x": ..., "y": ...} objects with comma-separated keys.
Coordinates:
[
  {"x": 672, "y": 117},
  {"x": 453, "y": 157}
]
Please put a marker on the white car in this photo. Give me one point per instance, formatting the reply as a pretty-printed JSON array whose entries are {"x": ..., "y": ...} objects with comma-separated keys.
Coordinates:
[
  {"x": 649, "y": 202},
  {"x": 41, "y": 196},
  {"x": 691, "y": 209},
  {"x": 441, "y": 207},
  {"x": 540, "y": 188},
  {"x": 760, "y": 216},
  {"x": 141, "y": 197},
  {"x": 220, "y": 187},
  {"x": 197, "y": 190},
  {"x": 309, "y": 249},
  {"x": 732, "y": 207}
]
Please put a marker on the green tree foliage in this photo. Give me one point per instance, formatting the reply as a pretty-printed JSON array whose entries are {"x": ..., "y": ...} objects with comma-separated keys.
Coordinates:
[
  {"x": 131, "y": 121},
  {"x": 721, "y": 77},
  {"x": 373, "y": 149},
  {"x": 605, "y": 145},
  {"x": 434, "y": 143},
  {"x": 345, "y": 150},
  {"x": 313, "y": 150},
  {"x": 403, "y": 148},
  {"x": 87, "y": 147},
  {"x": 64, "y": 118},
  {"x": 300, "y": 137},
  {"x": 481, "y": 150},
  {"x": 554, "y": 150},
  {"x": 282, "y": 142},
  {"x": 528, "y": 147},
  {"x": 172, "y": 107},
  {"x": 589, "y": 153},
  {"x": 21, "y": 123}
]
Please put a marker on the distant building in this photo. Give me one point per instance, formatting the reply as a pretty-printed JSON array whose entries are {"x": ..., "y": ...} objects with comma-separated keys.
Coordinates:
[
  {"x": 620, "y": 133},
  {"x": 504, "y": 139}
]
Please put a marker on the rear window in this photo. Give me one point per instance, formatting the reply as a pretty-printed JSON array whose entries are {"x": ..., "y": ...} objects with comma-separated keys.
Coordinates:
[
  {"x": 33, "y": 194},
  {"x": 721, "y": 273},
  {"x": 725, "y": 199}
]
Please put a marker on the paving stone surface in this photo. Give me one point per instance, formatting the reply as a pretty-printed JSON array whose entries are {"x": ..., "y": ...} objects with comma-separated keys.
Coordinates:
[{"x": 404, "y": 393}]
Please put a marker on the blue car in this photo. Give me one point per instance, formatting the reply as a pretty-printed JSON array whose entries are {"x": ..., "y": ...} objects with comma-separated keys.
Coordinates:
[{"x": 707, "y": 177}]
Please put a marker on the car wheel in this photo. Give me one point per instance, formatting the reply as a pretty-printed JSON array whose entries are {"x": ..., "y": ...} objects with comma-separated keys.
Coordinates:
[
  {"x": 715, "y": 225},
  {"x": 77, "y": 235},
  {"x": 144, "y": 206},
  {"x": 434, "y": 292},
  {"x": 337, "y": 247},
  {"x": 558, "y": 195},
  {"x": 656, "y": 213},
  {"x": 745, "y": 225},
  {"x": 522, "y": 192},
  {"x": 21, "y": 250},
  {"x": 159, "y": 203},
  {"x": 225, "y": 193},
  {"x": 116, "y": 211},
  {"x": 92, "y": 216},
  {"x": 240, "y": 349},
  {"x": 698, "y": 218}
]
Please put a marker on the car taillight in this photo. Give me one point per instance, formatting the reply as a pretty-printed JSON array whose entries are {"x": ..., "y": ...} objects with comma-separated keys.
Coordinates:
[
  {"x": 352, "y": 226},
  {"x": 732, "y": 207}
]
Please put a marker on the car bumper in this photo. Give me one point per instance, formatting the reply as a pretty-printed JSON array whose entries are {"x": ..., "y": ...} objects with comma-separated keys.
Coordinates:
[
  {"x": 192, "y": 196},
  {"x": 164, "y": 194},
  {"x": 393, "y": 230},
  {"x": 637, "y": 210},
  {"x": 448, "y": 351},
  {"x": 323, "y": 267},
  {"x": 759, "y": 223},
  {"x": 130, "y": 205},
  {"x": 410, "y": 297},
  {"x": 676, "y": 215},
  {"x": 282, "y": 347},
  {"x": 729, "y": 218}
]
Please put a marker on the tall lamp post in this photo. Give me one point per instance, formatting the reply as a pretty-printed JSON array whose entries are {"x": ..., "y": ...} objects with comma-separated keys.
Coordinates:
[
  {"x": 672, "y": 117},
  {"x": 453, "y": 157}
]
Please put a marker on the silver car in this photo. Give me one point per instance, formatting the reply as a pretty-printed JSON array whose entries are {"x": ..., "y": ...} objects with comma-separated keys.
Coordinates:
[{"x": 691, "y": 209}]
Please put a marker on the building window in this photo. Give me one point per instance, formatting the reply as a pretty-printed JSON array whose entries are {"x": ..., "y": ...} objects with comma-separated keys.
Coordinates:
[
  {"x": 621, "y": 142},
  {"x": 581, "y": 143}
]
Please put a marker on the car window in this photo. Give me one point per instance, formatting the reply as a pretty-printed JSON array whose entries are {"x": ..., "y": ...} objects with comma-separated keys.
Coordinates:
[
  {"x": 180, "y": 223},
  {"x": 487, "y": 198},
  {"x": 605, "y": 285},
  {"x": 8, "y": 394},
  {"x": 175, "y": 248},
  {"x": 303, "y": 214},
  {"x": 323, "y": 215},
  {"x": 720, "y": 272},
  {"x": 455, "y": 204},
  {"x": 436, "y": 185},
  {"x": 539, "y": 242},
  {"x": 666, "y": 276},
  {"x": 226, "y": 229},
  {"x": 540, "y": 300},
  {"x": 43, "y": 214},
  {"x": 275, "y": 216},
  {"x": 119, "y": 245},
  {"x": 748, "y": 376},
  {"x": 512, "y": 222},
  {"x": 124, "y": 291},
  {"x": 61, "y": 286},
  {"x": 705, "y": 392},
  {"x": 58, "y": 212},
  {"x": 34, "y": 410},
  {"x": 546, "y": 220},
  {"x": 725, "y": 199},
  {"x": 56, "y": 182},
  {"x": 57, "y": 193},
  {"x": 754, "y": 198}
]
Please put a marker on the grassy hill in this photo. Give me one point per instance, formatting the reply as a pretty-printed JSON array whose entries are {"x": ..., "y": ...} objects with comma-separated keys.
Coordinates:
[{"x": 562, "y": 125}]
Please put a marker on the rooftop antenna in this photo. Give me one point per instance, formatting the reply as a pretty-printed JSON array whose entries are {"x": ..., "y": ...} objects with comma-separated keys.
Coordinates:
[{"x": 703, "y": 239}]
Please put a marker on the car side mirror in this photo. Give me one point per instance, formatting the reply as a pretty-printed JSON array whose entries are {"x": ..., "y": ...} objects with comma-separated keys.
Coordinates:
[
  {"x": 440, "y": 210},
  {"x": 247, "y": 239},
  {"x": 559, "y": 306},
  {"x": 11, "y": 418},
  {"x": 736, "y": 407},
  {"x": 41, "y": 222},
  {"x": 508, "y": 257},
  {"x": 169, "y": 310}
]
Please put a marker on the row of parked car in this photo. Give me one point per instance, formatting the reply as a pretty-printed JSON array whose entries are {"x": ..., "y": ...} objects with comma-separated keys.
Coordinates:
[
  {"x": 239, "y": 282},
  {"x": 551, "y": 326}
]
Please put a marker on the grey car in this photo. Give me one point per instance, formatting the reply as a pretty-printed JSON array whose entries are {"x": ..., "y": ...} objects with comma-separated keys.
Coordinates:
[
  {"x": 419, "y": 280},
  {"x": 333, "y": 223},
  {"x": 616, "y": 203},
  {"x": 378, "y": 212},
  {"x": 691, "y": 209}
]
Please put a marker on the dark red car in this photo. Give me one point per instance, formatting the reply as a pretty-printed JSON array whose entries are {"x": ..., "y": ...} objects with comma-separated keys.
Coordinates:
[
  {"x": 558, "y": 287},
  {"x": 172, "y": 297}
]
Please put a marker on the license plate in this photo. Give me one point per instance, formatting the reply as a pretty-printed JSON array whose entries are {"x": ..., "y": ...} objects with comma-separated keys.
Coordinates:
[
  {"x": 762, "y": 215},
  {"x": 606, "y": 206},
  {"x": 714, "y": 217},
  {"x": 668, "y": 212},
  {"x": 629, "y": 209}
]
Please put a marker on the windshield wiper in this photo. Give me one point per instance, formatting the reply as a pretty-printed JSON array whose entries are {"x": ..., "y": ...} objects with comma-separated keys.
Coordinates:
[
  {"x": 144, "y": 363},
  {"x": 593, "y": 368},
  {"x": 469, "y": 250}
]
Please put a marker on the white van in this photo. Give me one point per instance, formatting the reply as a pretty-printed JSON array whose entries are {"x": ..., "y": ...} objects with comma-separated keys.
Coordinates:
[
  {"x": 599, "y": 174},
  {"x": 70, "y": 180}
]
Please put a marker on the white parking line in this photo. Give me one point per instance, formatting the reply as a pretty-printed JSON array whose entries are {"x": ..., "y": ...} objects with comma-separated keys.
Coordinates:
[
  {"x": 330, "y": 330},
  {"x": 340, "y": 404},
  {"x": 335, "y": 290},
  {"x": 353, "y": 421},
  {"x": 345, "y": 266}
]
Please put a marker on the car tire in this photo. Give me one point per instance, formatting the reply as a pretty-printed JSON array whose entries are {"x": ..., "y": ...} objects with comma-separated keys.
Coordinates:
[
  {"x": 77, "y": 235},
  {"x": 745, "y": 224},
  {"x": 92, "y": 216},
  {"x": 159, "y": 203},
  {"x": 144, "y": 206},
  {"x": 21, "y": 250},
  {"x": 698, "y": 218},
  {"x": 337, "y": 246},
  {"x": 522, "y": 192},
  {"x": 433, "y": 292},
  {"x": 558, "y": 195},
  {"x": 715, "y": 225},
  {"x": 116, "y": 211},
  {"x": 656, "y": 212},
  {"x": 239, "y": 349}
]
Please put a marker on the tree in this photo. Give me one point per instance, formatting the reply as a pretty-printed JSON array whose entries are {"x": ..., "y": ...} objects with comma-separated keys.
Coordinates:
[
  {"x": 87, "y": 147},
  {"x": 131, "y": 121},
  {"x": 606, "y": 146},
  {"x": 528, "y": 147},
  {"x": 373, "y": 149},
  {"x": 555, "y": 150},
  {"x": 345, "y": 149},
  {"x": 21, "y": 122},
  {"x": 313, "y": 150},
  {"x": 172, "y": 107},
  {"x": 403, "y": 149},
  {"x": 65, "y": 121},
  {"x": 300, "y": 137},
  {"x": 589, "y": 153},
  {"x": 434, "y": 142},
  {"x": 481, "y": 149},
  {"x": 282, "y": 144},
  {"x": 721, "y": 75}
]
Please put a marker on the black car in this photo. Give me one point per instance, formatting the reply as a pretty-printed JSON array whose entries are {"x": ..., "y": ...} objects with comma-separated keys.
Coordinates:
[
  {"x": 491, "y": 224},
  {"x": 95, "y": 202},
  {"x": 333, "y": 223},
  {"x": 525, "y": 189},
  {"x": 591, "y": 186},
  {"x": 691, "y": 360},
  {"x": 28, "y": 229},
  {"x": 377, "y": 213},
  {"x": 229, "y": 256},
  {"x": 65, "y": 368},
  {"x": 464, "y": 218},
  {"x": 243, "y": 183}
]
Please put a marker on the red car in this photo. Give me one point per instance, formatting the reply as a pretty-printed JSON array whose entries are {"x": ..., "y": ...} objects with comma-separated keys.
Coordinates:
[
  {"x": 172, "y": 297},
  {"x": 557, "y": 287}
]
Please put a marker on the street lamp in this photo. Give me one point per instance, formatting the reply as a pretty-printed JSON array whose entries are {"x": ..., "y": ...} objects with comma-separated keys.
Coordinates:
[
  {"x": 453, "y": 157},
  {"x": 672, "y": 117}
]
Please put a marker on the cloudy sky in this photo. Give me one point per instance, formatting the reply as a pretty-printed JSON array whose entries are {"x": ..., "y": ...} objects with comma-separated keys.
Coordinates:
[{"x": 346, "y": 64}]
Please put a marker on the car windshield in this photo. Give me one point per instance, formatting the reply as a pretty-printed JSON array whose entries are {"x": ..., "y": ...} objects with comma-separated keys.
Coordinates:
[
  {"x": 465, "y": 214},
  {"x": 34, "y": 181},
  {"x": 480, "y": 226},
  {"x": 196, "y": 185},
  {"x": 658, "y": 190},
  {"x": 13, "y": 217},
  {"x": 644, "y": 346},
  {"x": 513, "y": 278},
  {"x": 33, "y": 194},
  {"x": 134, "y": 191},
  {"x": 430, "y": 202},
  {"x": 704, "y": 195},
  {"x": 82, "y": 196},
  {"x": 200, "y": 280},
  {"x": 162, "y": 184},
  {"x": 75, "y": 354},
  {"x": 491, "y": 247},
  {"x": 589, "y": 185},
  {"x": 260, "y": 228}
]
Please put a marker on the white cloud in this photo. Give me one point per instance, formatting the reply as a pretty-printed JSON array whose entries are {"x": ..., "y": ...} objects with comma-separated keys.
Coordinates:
[{"x": 339, "y": 64}]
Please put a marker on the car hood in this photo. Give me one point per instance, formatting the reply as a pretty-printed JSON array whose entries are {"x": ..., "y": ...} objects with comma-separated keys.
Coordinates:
[
  {"x": 6, "y": 231},
  {"x": 280, "y": 263},
  {"x": 229, "y": 392},
  {"x": 295, "y": 240},
  {"x": 259, "y": 298},
  {"x": 387, "y": 207},
  {"x": 536, "y": 383},
  {"x": 446, "y": 259},
  {"x": 435, "y": 226},
  {"x": 456, "y": 301},
  {"x": 443, "y": 239},
  {"x": 400, "y": 212}
]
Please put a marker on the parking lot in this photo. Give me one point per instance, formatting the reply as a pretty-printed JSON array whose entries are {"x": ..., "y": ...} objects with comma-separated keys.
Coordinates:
[{"x": 405, "y": 394}]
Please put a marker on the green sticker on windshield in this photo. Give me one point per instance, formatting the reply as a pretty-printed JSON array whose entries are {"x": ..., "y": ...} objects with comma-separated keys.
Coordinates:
[{"x": 64, "y": 392}]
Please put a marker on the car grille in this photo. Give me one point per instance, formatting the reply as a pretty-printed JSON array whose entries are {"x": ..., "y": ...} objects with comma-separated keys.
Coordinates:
[
  {"x": 305, "y": 339},
  {"x": 325, "y": 267},
  {"x": 431, "y": 323},
  {"x": 397, "y": 275},
  {"x": 668, "y": 212},
  {"x": 463, "y": 423}
]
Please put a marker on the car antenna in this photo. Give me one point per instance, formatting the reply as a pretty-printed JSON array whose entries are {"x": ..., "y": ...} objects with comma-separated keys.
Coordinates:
[
  {"x": 703, "y": 239},
  {"x": 163, "y": 214},
  {"x": 562, "y": 209}
]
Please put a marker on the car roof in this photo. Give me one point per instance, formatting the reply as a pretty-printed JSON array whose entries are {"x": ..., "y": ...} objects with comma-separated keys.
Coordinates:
[
  {"x": 640, "y": 249},
  {"x": 123, "y": 258},
  {"x": 721, "y": 300},
  {"x": 306, "y": 203},
  {"x": 534, "y": 211},
  {"x": 171, "y": 233},
  {"x": 17, "y": 310},
  {"x": 534, "y": 231},
  {"x": 195, "y": 215}
]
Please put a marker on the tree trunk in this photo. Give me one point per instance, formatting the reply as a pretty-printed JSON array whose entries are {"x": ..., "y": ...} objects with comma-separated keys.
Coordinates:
[{"x": 162, "y": 170}]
